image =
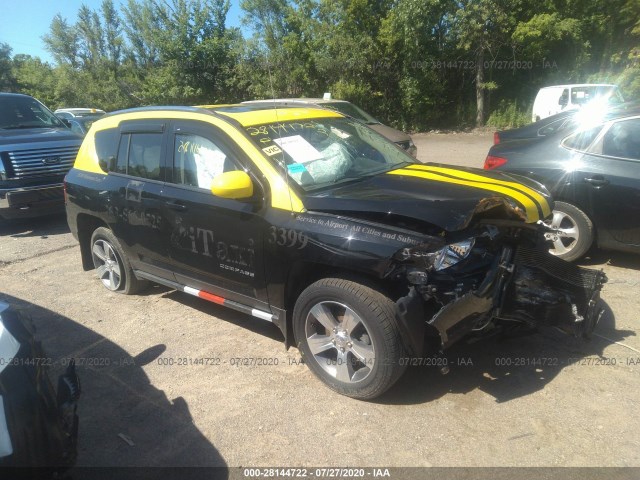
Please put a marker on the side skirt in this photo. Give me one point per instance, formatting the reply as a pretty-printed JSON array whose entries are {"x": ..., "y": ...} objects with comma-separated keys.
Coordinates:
[{"x": 254, "y": 312}]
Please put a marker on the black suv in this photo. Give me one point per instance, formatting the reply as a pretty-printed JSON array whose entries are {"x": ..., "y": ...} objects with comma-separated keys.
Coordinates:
[
  {"x": 36, "y": 151},
  {"x": 362, "y": 257}
]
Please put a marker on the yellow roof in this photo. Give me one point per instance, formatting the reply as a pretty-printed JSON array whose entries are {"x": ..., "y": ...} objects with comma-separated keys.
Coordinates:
[
  {"x": 248, "y": 117},
  {"x": 218, "y": 105}
]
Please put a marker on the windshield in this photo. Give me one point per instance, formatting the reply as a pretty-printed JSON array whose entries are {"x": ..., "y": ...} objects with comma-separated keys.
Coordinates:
[
  {"x": 350, "y": 109},
  {"x": 25, "y": 112},
  {"x": 322, "y": 152}
]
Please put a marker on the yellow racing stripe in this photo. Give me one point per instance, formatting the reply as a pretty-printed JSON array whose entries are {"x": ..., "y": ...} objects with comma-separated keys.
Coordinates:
[
  {"x": 531, "y": 209},
  {"x": 461, "y": 174}
]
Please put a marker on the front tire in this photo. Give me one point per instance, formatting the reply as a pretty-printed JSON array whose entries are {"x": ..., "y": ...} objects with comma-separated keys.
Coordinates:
[
  {"x": 347, "y": 334},
  {"x": 574, "y": 232},
  {"x": 112, "y": 265}
]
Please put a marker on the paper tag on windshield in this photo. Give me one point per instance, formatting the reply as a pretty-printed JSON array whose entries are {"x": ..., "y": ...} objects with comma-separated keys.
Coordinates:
[
  {"x": 272, "y": 150},
  {"x": 298, "y": 149}
]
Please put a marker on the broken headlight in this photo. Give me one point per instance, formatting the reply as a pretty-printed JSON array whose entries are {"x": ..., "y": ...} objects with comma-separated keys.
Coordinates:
[{"x": 443, "y": 258}]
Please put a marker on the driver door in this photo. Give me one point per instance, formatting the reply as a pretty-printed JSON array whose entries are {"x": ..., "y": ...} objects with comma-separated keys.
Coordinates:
[{"x": 215, "y": 244}]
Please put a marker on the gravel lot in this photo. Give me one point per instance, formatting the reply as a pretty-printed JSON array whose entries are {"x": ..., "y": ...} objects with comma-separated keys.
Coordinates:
[{"x": 556, "y": 401}]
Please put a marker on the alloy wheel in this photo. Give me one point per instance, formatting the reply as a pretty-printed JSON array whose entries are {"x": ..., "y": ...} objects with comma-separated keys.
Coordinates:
[
  {"x": 107, "y": 264},
  {"x": 566, "y": 234},
  {"x": 340, "y": 342}
]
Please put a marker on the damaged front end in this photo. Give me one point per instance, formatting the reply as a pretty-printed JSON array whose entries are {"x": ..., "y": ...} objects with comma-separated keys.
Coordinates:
[{"x": 496, "y": 277}]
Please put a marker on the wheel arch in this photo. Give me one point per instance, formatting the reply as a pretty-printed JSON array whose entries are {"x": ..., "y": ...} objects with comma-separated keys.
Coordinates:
[
  {"x": 303, "y": 273},
  {"x": 87, "y": 224}
]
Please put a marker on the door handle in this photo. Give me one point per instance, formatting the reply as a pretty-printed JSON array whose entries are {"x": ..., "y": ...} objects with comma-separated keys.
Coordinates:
[
  {"x": 597, "y": 181},
  {"x": 176, "y": 206}
]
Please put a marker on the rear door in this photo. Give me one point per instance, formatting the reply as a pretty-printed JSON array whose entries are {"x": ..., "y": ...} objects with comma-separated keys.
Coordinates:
[
  {"x": 136, "y": 195},
  {"x": 612, "y": 172},
  {"x": 215, "y": 244}
]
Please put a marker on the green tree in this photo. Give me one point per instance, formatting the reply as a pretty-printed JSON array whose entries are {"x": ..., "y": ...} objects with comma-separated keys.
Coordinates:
[
  {"x": 482, "y": 29},
  {"x": 36, "y": 78},
  {"x": 62, "y": 42},
  {"x": 7, "y": 79}
]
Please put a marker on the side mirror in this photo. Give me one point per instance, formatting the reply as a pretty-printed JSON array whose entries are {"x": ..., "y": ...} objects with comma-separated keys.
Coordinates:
[
  {"x": 234, "y": 185},
  {"x": 66, "y": 122}
]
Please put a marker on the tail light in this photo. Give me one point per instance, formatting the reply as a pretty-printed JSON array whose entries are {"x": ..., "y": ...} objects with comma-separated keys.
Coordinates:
[
  {"x": 492, "y": 162},
  {"x": 496, "y": 138}
]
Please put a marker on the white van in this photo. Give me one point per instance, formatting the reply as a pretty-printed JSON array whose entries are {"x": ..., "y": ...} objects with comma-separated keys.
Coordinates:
[{"x": 555, "y": 99}]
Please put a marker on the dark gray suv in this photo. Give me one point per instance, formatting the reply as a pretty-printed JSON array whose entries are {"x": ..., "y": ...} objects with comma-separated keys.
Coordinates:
[{"x": 36, "y": 151}]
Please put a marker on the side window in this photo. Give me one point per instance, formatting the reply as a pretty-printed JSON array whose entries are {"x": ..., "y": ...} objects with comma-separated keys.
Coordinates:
[
  {"x": 583, "y": 139},
  {"x": 106, "y": 143},
  {"x": 623, "y": 140},
  {"x": 197, "y": 160},
  {"x": 140, "y": 155},
  {"x": 563, "y": 101},
  {"x": 144, "y": 155},
  {"x": 581, "y": 95}
]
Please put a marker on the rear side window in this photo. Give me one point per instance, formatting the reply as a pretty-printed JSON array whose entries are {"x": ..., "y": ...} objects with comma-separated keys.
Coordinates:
[
  {"x": 140, "y": 155},
  {"x": 554, "y": 127},
  {"x": 106, "y": 144},
  {"x": 581, "y": 140},
  {"x": 623, "y": 140}
]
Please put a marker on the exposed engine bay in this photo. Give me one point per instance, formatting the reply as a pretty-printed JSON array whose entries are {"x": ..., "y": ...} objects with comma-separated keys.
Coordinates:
[{"x": 494, "y": 278}]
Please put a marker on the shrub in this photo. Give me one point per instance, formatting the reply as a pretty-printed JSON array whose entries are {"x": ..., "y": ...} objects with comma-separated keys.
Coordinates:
[{"x": 509, "y": 115}]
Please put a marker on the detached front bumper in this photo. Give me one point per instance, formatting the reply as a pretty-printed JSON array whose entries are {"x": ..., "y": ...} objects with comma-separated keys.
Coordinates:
[
  {"x": 527, "y": 287},
  {"x": 41, "y": 425},
  {"x": 545, "y": 290}
]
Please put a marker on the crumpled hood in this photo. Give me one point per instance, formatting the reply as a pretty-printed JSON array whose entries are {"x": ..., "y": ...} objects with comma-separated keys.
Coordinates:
[
  {"x": 19, "y": 136},
  {"x": 436, "y": 194}
]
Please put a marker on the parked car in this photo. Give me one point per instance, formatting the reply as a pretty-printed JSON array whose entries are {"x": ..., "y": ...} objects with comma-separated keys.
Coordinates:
[
  {"x": 38, "y": 426},
  {"x": 36, "y": 151},
  {"x": 567, "y": 120},
  {"x": 71, "y": 113},
  {"x": 311, "y": 220},
  {"x": 81, "y": 125},
  {"x": 541, "y": 128},
  {"x": 557, "y": 98},
  {"x": 347, "y": 108},
  {"x": 593, "y": 174}
]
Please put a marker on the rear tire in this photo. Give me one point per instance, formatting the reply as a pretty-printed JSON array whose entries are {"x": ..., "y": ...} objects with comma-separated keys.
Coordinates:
[
  {"x": 112, "y": 265},
  {"x": 575, "y": 232},
  {"x": 347, "y": 334}
]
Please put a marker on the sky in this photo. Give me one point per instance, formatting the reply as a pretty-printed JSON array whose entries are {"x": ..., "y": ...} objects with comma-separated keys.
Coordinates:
[{"x": 24, "y": 22}]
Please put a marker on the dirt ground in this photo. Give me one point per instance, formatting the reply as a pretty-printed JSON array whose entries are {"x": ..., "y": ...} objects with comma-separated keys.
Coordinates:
[{"x": 160, "y": 370}]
